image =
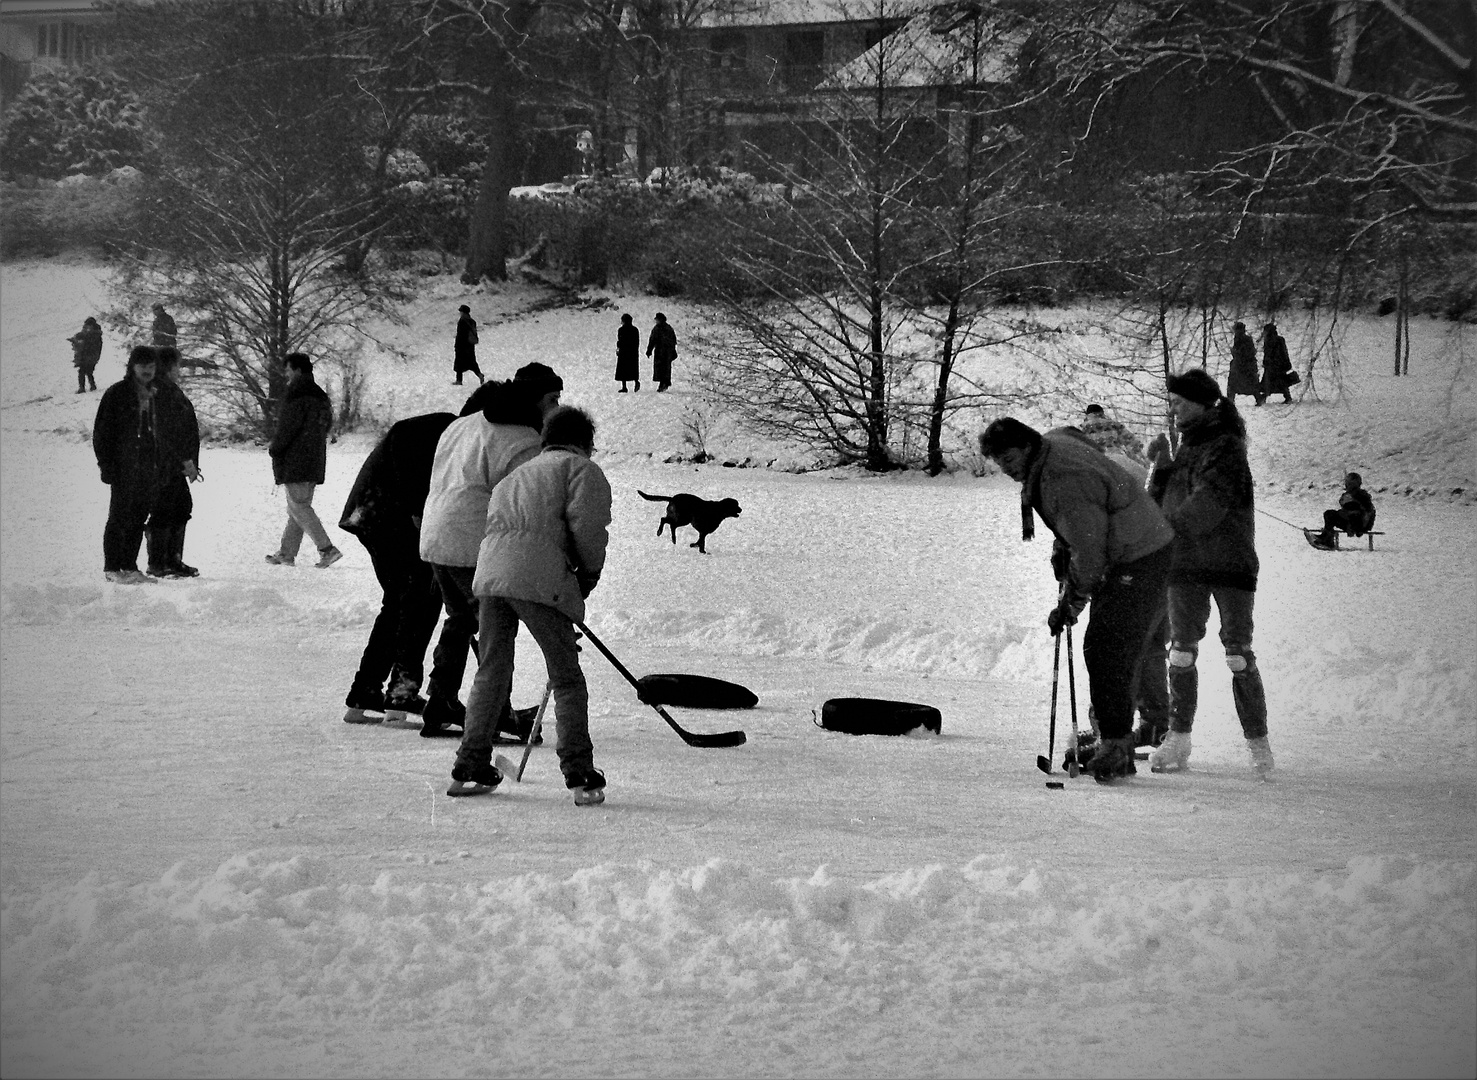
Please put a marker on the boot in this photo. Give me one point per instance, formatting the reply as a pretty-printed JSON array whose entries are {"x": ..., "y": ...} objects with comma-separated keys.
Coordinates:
[
  {"x": 1114, "y": 758},
  {"x": 1147, "y": 734},
  {"x": 1173, "y": 754},
  {"x": 360, "y": 702},
  {"x": 176, "y": 553},
  {"x": 473, "y": 776},
  {"x": 403, "y": 698},
  {"x": 1261, "y": 756},
  {"x": 441, "y": 715},
  {"x": 157, "y": 545}
]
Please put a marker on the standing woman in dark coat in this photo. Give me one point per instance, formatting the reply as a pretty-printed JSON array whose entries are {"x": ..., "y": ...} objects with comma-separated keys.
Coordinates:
[
  {"x": 1206, "y": 493},
  {"x": 662, "y": 342},
  {"x": 126, "y": 444},
  {"x": 1243, "y": 378},
  {"x": 466, "y": 346},
  {"x": 300, "y": 460},
  {"x": 628, "y": 354},
  {"x": 87, "y": 350},
  {"x": 179, "y": 451},
  {"x": 1276, "y": 365}
]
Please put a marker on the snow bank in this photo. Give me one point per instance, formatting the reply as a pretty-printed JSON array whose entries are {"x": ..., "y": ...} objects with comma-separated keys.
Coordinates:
[{"x": 516, "y": 973}]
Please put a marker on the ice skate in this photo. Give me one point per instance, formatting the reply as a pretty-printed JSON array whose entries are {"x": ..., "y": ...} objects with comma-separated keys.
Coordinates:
[
  {"x": 587, "y": 786},
  {"x": 473, "y": 779},
  {"x": 1114, "y": 759},
  {"x": 1173, "y": 754}
]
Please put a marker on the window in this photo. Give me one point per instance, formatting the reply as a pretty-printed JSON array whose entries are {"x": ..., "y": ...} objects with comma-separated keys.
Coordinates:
[
  {"x": 805, "y": 48},
  {"x": 728, "y": 51},
  {"x": 65, "y": 41}
]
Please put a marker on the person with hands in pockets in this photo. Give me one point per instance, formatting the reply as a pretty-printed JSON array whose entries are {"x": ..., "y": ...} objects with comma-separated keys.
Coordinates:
[{"x": 1111, "y": 550}]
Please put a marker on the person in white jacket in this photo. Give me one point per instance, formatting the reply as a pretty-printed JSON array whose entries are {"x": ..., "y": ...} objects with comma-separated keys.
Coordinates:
[
  {"x": 498, "y": 431},
  {"x": 542, "y": 554}
]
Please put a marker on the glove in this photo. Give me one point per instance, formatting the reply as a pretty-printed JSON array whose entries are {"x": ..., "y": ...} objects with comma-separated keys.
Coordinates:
[
  {"x": 1159, "y": 451},
  {"x": 1061, "y": 560},
  {"x": 1069, "y": 605}
]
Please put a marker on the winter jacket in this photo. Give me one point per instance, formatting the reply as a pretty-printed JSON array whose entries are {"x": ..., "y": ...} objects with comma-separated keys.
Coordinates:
[
  {"x": 1356, "y": 508},
  {"x": 466, "y": 344},
  {"x": 123, "y": 435},
  {"x": 164, "y": 332},
  {"x": 663, "y": 342},
  {"x": 178, "y": 428},
  {"x": 1100, "y": 514},
  {"x": 389, "y": 494},
  {"x": 87, "y": 347},
  {"x": 474, "y": 453},
  {"x": 547, "y": 529},
  {"x": 1243, "y": 377},
  {"x": 300, "y": 448},
  {"x": 627, "y": 353},
  {"x": 1276, "y": 365},
  {"x": 1206, "y": 493}
]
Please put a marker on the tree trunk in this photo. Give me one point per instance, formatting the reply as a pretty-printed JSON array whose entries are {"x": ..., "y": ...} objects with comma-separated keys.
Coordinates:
[{"x": 487, "y": 240}]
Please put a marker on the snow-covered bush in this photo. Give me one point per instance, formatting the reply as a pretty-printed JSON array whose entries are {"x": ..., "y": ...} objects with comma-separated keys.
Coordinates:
[{"x": 65, "y": 122}]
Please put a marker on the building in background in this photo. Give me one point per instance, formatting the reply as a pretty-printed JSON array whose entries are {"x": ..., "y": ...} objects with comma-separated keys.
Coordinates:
[{"x": 37, "y": 35}]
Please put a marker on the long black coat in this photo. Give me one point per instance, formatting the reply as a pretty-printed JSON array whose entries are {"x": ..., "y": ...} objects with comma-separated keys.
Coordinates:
[
  {"x": 87, "y": 348},
  {"x": 663, "y": 344},
  {"x": 1243, "y": 378},
  {"x": 178, "y": 428},
  {"x": 628, "y": 353},
  {"x": 389, "y": 494},
  {"x": 466, "y": 345},
  {"x": 1276, "y": 366},
  {"x": 300, "y": 448},
  {"x": 123, "y": 436}
]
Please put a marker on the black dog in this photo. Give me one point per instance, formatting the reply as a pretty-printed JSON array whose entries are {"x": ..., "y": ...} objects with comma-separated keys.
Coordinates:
[{"x": 702, "y": 514}]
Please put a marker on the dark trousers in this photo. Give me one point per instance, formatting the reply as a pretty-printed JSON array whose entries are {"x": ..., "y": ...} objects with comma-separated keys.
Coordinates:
[
  {"x": 85, "y": 381},
  {"x": 1153, "y": 685},
  {"x": 1189, "y": 610},
  {"x": 174, "y": 504},
  {"x": 129, "y": 505},
  {"x": 1124, "y": 612},
  {"x": 407, "y": 616},
  {"x": 1349, "y": 521},
  {"x": 449, "y": 661}
]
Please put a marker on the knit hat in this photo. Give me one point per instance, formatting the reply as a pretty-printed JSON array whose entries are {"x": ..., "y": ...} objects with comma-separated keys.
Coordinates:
[
  {"x": 540, "y": 375},
  {"x": 465, "y": 310},
  {"x": 1195, "y": 385}
]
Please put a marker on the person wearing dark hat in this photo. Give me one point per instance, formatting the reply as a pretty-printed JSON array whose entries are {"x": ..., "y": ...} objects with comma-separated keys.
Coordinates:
[
  {"x": 627, "y": 360},
  {"x": 497, "y": 431},
  {"x": 661, "y": 346},
  {"x": 1243, "y": 378},
  {"x": 1355, "y": 513},
  {"x": 179, "y": 451},
  {"x": 87, "y": 350},
  {"x": 299, "y": 451},
  {"x": 466, "y": 346},
  {"x": 1277, "y": 373},
  {"x": 1206, "y": 493},
  {"x": 1111, "y": 549},
  {"x": 164, "y": 334},
  {"x": 125, "y": 441}
]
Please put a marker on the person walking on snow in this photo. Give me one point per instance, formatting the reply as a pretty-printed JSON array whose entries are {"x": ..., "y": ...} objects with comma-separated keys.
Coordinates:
[
  {"x": 1277, "y": 373},
  {"x": 542, "y": 555},
  {"x": 1111, "y": 549},
  {"x": 384, "y": 511},
  {"x": 179, "y": 451},
  {"x": 1243, "y": 378},
  {"x": 125, "y": 442},
  {"x": 465, "y": 349},
  {"x": 627, "y": 358},
  {"x": 1206, "y": 493},
  {"x": 662, "y": 342},
  {"x": 1355, "y": 513},
  {"x": 498, "y": 431},
  {"x": 87, "y": 350},
  {"x": 299, "y": 452}
]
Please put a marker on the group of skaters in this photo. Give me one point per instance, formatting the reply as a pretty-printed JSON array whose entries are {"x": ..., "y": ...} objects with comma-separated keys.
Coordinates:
[{"x": 661, "y": 349}]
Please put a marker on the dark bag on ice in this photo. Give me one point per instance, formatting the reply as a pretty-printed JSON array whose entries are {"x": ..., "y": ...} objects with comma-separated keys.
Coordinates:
[
  {"x": 877, "y": 716},
  {"x": 694, "y": 692}
]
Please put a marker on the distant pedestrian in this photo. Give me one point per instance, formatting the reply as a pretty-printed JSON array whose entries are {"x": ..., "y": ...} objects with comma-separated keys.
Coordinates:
[
  {"x": 164, "y": 333},
  {"x": 1112, "y": 549},
  {"x": 1114, "y": 440},
  {"x": 300, "y": 460},
  {"x": 548, "y": 526},
  {"x": 384, "y": 511},
  {"x": 87, "y": 350},
  {"x": 466, "y": 346},
  {"x": 179, "y": 454},
  {"x": 1207, "y": 495},
  {"x": 1243, "y": 378},
  {"x": 1277, "y": 373},
  {"x": 125, "y": 442},
  {"x": 627, "y": 354},
  {"x": 1354, "y": 516},
  {"x": 661, "y": 346}
]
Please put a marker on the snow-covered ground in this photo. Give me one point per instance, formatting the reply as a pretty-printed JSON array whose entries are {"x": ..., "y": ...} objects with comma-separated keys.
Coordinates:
[{"x": 203, "y": 872}]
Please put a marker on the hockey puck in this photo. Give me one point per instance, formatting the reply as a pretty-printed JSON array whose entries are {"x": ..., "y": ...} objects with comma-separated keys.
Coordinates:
[{"x": 1057, "y": 784}]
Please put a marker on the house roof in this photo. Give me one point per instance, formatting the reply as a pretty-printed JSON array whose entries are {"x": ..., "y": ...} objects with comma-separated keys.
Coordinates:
[
  {"x": 725, "y": 13},
  {"x": 48, "y": 9},
  {"x": 932, "y": 49}
]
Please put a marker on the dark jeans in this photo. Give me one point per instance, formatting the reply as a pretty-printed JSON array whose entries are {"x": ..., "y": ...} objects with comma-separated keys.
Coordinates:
[
  {"x": 1125, "y": 609},
  {"x": 174, "y": 504},
  {"x": 85, "y": 381},
  {"x": 129, "y": 504},
  {"x": 407, "y": 616},
  {"x": 1189, "y": 610},
  {"x": 1153, "y": 687},
  {"x": 449, "y": 662},
  {"x": 554, "y": 632},
  {"x": 1349, "y": 521}
]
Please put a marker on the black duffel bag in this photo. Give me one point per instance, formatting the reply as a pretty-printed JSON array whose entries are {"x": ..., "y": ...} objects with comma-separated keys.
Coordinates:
[{"x": 877, "y": 716}]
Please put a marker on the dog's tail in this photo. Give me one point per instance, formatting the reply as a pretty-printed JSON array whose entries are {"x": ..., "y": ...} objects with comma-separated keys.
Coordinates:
[{"x": 653, "y": 498}]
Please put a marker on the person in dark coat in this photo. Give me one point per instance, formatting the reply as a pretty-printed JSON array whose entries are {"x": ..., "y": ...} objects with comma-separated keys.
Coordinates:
[
  {"x": 1243, "y": 378},
  {"x": 1277, "y": 374},
  {"x": 300, "y": 459},
  {"x": 1206, "y": 493},
  {"x": 1112, "y": 548},
  {"x": 384, "y": 511},
  {"x": 179, "y": 453},
  {"x": 165, "y": 335},
  {"x": 661, "y": 345},
  {"x": 627, "y": 354},
  {"x": 125, "y": 442},
  {"x": 87, "y": 350},
  {"x": 466, "y": 346},
  {"x": 1355, "y": 514}
]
